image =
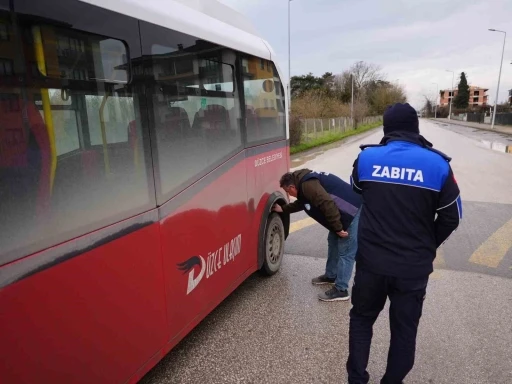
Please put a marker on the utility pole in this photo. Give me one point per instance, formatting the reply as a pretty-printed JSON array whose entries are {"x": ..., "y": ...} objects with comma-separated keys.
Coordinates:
[
  {"x": 499, "y": 75},
  {"x": 289, "y": 61},
  {"x": 352, "y": 100}
]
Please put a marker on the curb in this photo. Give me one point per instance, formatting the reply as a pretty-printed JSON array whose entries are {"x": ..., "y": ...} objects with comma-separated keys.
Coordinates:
[{"x": 461, "y": 123}]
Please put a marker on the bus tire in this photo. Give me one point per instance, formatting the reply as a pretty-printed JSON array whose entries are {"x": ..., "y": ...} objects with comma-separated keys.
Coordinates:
[{"x": 273, "y": 242}]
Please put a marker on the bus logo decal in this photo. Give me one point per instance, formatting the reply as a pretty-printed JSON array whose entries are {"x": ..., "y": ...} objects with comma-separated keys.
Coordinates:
[
  {"x": 188, "y": 266},
  {"x": 215, "y": 260}
]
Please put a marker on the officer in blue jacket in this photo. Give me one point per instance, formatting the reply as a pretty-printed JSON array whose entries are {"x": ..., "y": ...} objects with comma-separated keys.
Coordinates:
[
  {"x": 411, "y": 205},
  {"x": 333, "y": 204}
]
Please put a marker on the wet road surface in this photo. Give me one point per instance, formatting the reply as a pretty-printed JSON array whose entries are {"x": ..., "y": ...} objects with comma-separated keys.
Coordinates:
[{"x": 274, "y": 330}]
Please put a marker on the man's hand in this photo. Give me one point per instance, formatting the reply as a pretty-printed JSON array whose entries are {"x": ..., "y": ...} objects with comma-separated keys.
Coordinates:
[
  {"x": 342, "y": 233},
  {"x": 277, "y": 208}
]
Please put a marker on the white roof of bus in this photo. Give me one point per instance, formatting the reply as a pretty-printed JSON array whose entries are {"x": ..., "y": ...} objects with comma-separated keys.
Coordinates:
[
  {"x": 222, "y": 12},
  {"x": 207, "y": 19}
]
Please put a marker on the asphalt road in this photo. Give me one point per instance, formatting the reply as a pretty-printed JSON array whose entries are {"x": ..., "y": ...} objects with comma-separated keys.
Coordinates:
[{"x": 276, "y": 331}]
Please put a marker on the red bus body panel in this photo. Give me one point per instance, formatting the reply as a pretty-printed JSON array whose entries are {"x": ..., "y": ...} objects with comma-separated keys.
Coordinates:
[
  {"x": 91, "y": 319},
  {"x": 110, "y": 314}
]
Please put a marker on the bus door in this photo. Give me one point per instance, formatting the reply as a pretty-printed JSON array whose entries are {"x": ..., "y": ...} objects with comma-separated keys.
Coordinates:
[
  {"x": 267, "y": 153},
  {"x": 195, "y": 120}
]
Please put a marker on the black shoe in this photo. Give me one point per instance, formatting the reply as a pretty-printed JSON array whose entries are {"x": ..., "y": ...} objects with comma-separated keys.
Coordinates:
[
  {"x": 322, "y": 280},
  {"x": 384, "y": 381},
  {"x": 334, "y": 294}
]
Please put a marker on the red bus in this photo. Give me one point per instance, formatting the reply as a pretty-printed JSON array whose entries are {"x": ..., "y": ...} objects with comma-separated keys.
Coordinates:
[{"x": 141, "y": 143}]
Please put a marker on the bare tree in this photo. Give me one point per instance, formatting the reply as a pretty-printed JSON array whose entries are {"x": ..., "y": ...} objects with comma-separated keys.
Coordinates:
[
  {"x": 366, "y": 77},
  {"x": 316, "y": 104},
  {"x": 360, "y": 111},
  {"x": 365, "y": 74},
  {"x": 333, "y": 96}
]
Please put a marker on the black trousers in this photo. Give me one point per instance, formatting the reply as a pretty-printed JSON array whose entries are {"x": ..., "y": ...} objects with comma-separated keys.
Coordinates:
[{"x": 369, "y": 295}]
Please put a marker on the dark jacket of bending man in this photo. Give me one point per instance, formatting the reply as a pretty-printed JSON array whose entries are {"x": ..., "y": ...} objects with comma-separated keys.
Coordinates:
[{"x": 332, "y": 203}]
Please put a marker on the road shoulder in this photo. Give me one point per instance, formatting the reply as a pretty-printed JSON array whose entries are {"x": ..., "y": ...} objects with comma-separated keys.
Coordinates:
[{"x": 483, "y": 127}]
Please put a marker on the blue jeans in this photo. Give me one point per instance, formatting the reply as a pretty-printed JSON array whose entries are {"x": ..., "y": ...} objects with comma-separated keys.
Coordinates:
[{"x": 341, "y": 255}]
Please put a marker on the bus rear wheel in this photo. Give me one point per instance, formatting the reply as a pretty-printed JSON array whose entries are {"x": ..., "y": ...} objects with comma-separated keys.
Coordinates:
[{"x": 274, "y": 245}]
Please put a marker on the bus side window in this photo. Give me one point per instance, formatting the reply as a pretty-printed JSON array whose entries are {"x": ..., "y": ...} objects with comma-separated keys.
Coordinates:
[
  {"x": 24, "y": 152},
  {"x": 264, "y": 101},
  {"x": 193, "y": 106},
  {"x": 74, "y": 167}
]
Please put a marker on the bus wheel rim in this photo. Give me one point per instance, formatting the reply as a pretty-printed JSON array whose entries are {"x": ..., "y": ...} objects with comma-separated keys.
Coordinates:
[{"x": 274, "y": 244}]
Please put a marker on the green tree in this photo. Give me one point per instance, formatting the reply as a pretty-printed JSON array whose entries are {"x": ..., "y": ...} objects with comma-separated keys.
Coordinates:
[
  {"x": 428, "y": 107},
  {"x": 304, "y": 83},
  {"x": 328, "y": 81},
  {"x": 462, "y": 99}
]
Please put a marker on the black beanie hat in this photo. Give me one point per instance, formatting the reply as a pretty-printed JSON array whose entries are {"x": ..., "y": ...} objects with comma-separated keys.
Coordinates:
[{"x": 401, "y": 117}]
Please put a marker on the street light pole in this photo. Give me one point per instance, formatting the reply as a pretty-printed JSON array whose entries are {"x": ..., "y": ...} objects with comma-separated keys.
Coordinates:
[
  {"x": 289, "y": 62},
  {"x": 499, "y": 75},
  {"x": 435, "y": 107},
  {"x": 352, "y": 100}
]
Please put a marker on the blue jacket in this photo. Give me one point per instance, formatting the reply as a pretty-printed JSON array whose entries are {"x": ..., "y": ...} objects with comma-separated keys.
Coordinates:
[
  {"x": 341, "y": 193},
  {"x": 411, "y": 205}
]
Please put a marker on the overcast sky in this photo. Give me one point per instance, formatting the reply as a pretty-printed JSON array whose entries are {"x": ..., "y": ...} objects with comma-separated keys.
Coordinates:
[{"x": 414, "y": 41}]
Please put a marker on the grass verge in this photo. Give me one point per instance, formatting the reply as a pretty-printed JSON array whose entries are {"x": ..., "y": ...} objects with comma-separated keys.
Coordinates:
[{"x": 331, "y": 137}]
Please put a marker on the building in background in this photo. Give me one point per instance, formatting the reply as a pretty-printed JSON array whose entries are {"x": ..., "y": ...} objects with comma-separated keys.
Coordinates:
[
  {"x": 477, "y": 96},
  {"x": 510, "y": 96}
]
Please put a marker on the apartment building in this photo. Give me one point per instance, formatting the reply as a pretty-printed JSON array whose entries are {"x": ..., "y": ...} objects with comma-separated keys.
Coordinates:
[{"x": 477, "y": 96}]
